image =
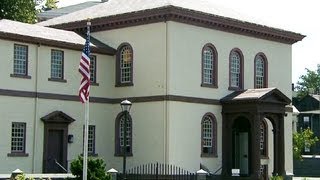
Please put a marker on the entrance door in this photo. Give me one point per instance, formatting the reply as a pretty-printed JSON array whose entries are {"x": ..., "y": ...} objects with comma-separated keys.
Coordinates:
[
  {"x": 55, "y": 152},
  {"x": 55, "y": 147},
  {"x": 243, "y": 153},
  {"x": 241, "y": 144}
]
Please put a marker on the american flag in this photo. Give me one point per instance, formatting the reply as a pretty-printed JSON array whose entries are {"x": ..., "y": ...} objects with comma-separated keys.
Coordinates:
[{"x": 84, "y": 69}]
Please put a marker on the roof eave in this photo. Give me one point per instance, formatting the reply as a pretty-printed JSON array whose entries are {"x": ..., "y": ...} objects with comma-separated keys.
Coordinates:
[
  {"x": 178, "y": 14},
  {"x": 55, "y": 43}
]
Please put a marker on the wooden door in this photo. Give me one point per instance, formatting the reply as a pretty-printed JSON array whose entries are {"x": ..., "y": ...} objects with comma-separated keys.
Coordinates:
[{"x": 55, "y": 160}]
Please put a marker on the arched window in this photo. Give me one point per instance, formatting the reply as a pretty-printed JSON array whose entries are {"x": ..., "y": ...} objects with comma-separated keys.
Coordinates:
[
  {"x": 208, "y": 135},
  {"x": 119, "y": 135},
  {"x": 209, "y": 66},
  {"x": 263, "y": 138},
  {"x": 260, "y": 71},
  {"x": 124, "y": 65},
  {"x": 236, "y": 70}
]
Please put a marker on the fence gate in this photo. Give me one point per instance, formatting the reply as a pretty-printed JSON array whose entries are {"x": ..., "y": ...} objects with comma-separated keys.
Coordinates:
[{"x": 157, "y": 171}]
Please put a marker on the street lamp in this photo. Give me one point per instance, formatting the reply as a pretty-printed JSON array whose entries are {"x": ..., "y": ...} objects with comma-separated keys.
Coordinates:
[{"x": 125, "y": 106}]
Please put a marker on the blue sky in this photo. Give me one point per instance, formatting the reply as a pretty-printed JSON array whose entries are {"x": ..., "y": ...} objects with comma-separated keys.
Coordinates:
[{"x": 294, "y": 15}]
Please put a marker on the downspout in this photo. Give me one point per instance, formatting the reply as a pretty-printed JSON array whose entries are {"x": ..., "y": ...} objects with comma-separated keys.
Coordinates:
[
  {"x": 35, "y": 122},
  {"x": 167, "y": 113}
]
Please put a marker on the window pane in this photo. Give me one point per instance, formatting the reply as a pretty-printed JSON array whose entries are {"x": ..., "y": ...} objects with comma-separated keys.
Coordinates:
[
  {"x": 93, "y": 60},
  {"x": 208, "y": 65},
  {"x": 235, "y": 69},
  {"x": 56, "y": 64},
  {"x": 207, "y": 132},
  {"x": 260, "y": 74},
  {"x": 128, "y": 135},
  {"x": 20, "y": 59},
  {"x": 18, "y": 137},
  {"x": 125, "y": 64},
  {"x": 91, "y": 139}
]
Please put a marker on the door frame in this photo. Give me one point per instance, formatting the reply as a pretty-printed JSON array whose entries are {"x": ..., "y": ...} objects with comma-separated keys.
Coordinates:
[{"x": 56, "y": 120}]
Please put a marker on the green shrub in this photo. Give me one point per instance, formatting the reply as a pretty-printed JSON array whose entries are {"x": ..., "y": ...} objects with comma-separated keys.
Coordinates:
[
  {"x": 276, "y": 177},
  {"x": 96, "y": 169}
]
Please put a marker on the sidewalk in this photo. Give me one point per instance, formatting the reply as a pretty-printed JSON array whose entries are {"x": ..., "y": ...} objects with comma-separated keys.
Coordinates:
[{"x": 306, "y": 178}]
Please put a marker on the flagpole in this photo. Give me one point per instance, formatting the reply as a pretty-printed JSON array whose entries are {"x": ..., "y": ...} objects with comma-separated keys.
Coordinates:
[
  {"x": 86, "y": 123},
  {"x": 85, "y": 147}
]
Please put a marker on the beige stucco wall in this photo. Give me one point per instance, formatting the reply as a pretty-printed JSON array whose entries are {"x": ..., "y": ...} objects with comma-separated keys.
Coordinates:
[
  {"x": 6, "y": 68},
  {"x": 185, "y": 43},
  {"x": 185, "y": 135},
  {"x": 148, "y": 43},
  {"x": 16, "y": 109}
]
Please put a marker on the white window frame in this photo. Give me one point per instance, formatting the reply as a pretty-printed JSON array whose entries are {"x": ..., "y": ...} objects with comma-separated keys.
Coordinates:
[
  {"x": 235, "y": 70},
  {"x": 20, "y": 60},
  {"x": 18, "y": 137},
  {"x": 57, "y": 58}
]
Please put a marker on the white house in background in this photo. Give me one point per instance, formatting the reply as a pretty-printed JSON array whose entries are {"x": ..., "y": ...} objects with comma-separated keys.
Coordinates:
[{"x": 207, "y": 87}]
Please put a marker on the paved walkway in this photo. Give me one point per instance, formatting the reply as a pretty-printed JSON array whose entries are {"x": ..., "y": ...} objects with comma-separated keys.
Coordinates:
[{"x": 307, "y": 178}]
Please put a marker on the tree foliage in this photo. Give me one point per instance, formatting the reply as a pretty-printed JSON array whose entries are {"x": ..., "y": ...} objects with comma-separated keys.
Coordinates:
[
  {"x": 44, "y": 5},
  {"x": 302, "y": 139},
  {"x": 24, "y": 10},
  {"x": 309, "y": 82},
  {"x": 96, "y": 169},
  {"x": 18, "y": 10}
]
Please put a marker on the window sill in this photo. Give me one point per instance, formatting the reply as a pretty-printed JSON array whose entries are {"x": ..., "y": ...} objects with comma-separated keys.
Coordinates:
[
  {"x": 57, "y": 80},
  {"x": 121, "y": 155},
  {"x": 235, "y": 89},
  {"x": 123, "y": 84},
  {"x": 209, "y": 155},
  {"x": 20, "y": 76},
  {"x": 94, "y": 84},
  {"x": 17, "y": 154},
  {"x": 209, "y": 85}
]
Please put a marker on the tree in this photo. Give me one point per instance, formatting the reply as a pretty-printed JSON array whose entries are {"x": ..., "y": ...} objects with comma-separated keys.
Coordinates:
[
  {"x": 302, "y": 139},
  {"x": 48, "y": 5},
  {"x": 18, "y": 10},
  {"x": 24, "y": 10},
  {"x": 309, "y": 81}
]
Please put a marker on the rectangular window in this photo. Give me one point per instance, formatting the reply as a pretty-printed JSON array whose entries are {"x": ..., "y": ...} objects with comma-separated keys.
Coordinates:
[
  {"x": 93, "y": 69},
  {"x": 91, "y": 139},
  {"x": 56, "y": 64},
  {"x": 18, "y": 137},
  {"x": 20, "y": 60},
  {"x": 306, "y": 122}
]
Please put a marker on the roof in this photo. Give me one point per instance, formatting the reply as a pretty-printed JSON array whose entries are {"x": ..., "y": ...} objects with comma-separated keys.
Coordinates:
[
  {"x": 119, "y": 13},
  {"x": 49, "y": 14},
  {"x": 310, "y": 112},
  {"x": 115, "y": 7},
  {"x": 254, "y": 95},
  {"x": 315, "y": 96},
  {"x": 295, "y": 111},
  {"x": 33, "y": 33}
]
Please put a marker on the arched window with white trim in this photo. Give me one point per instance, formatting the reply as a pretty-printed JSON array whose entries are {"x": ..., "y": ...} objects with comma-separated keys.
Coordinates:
[{"x": 208, "y": 135}]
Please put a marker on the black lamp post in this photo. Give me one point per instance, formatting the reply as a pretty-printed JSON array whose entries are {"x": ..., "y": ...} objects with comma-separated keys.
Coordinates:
[{"x": 125, "y": 106}]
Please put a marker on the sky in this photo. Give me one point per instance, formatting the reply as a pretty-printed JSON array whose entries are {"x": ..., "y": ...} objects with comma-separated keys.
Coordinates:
[{"x": 293, "y": 15}]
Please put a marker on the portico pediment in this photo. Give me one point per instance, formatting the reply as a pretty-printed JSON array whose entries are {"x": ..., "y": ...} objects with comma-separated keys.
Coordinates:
[
  {"x": 57, "y": 117},
  {"x": 263, "y": 95}
]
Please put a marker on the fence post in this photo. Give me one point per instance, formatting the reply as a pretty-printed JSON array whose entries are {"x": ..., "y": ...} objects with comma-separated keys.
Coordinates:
[
  {"x": 113, "y": 173},
  {"x": 15, "y": 173},
  {"x": 202, "y": 174}
]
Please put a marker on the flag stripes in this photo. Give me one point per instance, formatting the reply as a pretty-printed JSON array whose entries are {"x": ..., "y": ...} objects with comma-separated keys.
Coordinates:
[{"x": 84, "y": 69}]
